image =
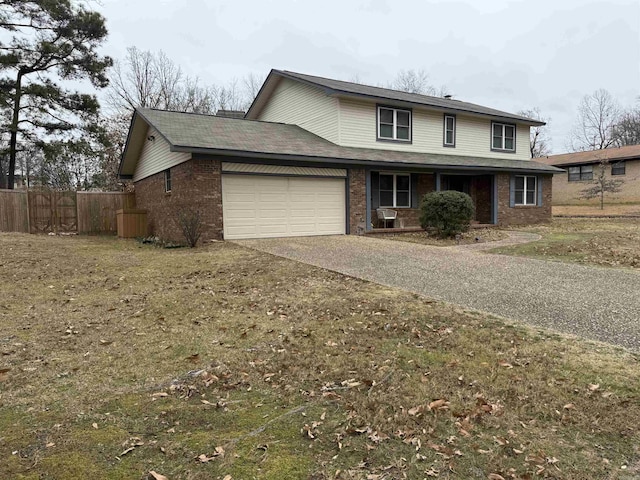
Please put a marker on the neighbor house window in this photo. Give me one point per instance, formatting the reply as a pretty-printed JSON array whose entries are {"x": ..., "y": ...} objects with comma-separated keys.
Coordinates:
[
  {"x": 503, "y": 137},
  {"x": 525, "y": 191},
  {"x": 449, "y": 131},
  {"x": 167, "y": 180},
  {"x": 394, "y": 124},
  {"x": 395, "y": 190},
  {"x": 582, "y": 172},
  {"x": 618, "y": 168}
]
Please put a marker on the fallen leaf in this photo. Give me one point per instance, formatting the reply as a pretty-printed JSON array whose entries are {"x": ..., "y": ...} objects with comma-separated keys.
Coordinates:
[
  {"x": 569, "y": 406},
  {"x": 157, "y": 476},
  {"x": 50, "y": 444},
  {"x": 495, "y": 476},
  {"x": 505, "y": 364},
  {"x": 128, "y": 450},
  {"x": 4, "y": 374},
  {"x": 594, "y": 386},
  {"x": 438, "y": 404},
  {"x": 94, "y": 425},
  {"x": 160, "y": 394},
  {"x": 227, "y": 477},
  {"x": 195, "y": 358}
]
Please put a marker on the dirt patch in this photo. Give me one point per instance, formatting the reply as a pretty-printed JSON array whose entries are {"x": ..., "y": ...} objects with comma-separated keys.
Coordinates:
[
  {"x": 117, "y": 359},
  {"x": 606, "y": 242},
  {"x": 477, "y": 235}
]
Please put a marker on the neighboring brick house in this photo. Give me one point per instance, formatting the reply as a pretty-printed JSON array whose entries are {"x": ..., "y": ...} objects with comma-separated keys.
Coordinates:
[
  {"x": 315, "y": 156},
  {"x": 580, "y": 168}
]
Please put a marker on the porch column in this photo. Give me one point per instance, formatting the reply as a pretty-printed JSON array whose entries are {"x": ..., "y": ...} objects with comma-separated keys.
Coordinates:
[
  {"x": 437, "y": 181},
  {"x": 494, "y": 200},
  {"x": 367, "y": 192}
]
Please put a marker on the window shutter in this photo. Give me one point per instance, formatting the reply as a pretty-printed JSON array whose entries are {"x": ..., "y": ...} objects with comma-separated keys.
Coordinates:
[
  {"x": 415, "y": 201},
  {"x": 375, "y": 190},
  {"x": 512, "y": 191},
  {"x": 539, "y": 183}
]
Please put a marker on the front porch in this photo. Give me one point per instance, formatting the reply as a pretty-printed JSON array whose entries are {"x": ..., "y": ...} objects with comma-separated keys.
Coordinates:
[{"x": 402, "y": 193}]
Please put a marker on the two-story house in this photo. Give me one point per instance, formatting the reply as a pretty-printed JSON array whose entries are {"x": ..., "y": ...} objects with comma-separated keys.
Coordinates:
[{"x": 315, "y": 156}]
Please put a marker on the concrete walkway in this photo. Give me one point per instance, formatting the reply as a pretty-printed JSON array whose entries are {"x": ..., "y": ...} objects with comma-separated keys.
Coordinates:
[{"x": 591, "y": 302}]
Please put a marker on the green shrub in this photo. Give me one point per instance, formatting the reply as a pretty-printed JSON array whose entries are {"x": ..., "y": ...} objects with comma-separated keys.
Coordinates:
[{"x": 448, "y": 213}]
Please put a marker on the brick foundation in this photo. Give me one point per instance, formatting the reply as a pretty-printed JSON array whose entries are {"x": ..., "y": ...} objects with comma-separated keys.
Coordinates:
[
  {"x": 196, "y": 183},
  {"x": 522, "y": 215}
]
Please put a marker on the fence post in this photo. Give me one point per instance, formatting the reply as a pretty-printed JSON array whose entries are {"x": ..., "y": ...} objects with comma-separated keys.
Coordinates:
[{"x": 28, "y": 212}]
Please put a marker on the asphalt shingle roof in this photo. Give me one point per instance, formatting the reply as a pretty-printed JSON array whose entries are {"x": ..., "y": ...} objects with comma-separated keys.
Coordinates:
[
  {"x": 219, "y": 135},
  {"x": 351, "y": 88},
  {"x": 629, "y": 152}
]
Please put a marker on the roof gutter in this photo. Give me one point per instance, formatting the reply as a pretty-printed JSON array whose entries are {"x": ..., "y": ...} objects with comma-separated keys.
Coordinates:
[{"x": 352, "y": 161}]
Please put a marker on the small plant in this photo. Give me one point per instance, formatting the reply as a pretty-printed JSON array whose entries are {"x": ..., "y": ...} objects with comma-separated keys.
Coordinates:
[
  {"x": 189, "y": 221},
  {"x": 448, "y": 213}
]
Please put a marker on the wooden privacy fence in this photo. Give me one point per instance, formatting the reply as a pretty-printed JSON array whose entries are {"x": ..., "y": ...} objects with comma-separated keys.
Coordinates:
[{"x": 43, "y": 211}]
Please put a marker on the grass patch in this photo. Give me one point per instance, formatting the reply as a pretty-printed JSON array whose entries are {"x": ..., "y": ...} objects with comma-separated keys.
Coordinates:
[
  {"x": 605, "y": 242},
  {"x": 225, "y": 361}
]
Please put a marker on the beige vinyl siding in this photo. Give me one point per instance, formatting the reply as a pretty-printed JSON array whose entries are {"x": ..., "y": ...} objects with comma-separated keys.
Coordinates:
[
  {"x": 156, "y": 156},
  {"x": 303, "y": 105},
  {"x": 473, "y": 134}
]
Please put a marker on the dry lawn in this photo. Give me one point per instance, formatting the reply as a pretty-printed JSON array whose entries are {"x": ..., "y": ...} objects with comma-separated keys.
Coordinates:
[
  {"x": 476, "y": 235},
  {"x": 119, "y": 359},
  {"x": 594, "y": 210},
  {"x": 606, "y": 242}
]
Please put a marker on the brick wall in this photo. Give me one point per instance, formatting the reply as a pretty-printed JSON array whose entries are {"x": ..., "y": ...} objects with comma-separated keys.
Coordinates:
[
  {"x": 196, "y": 183},
  {"x": 357, "y": 201},
  {"x": 568, "y": 193},
  {"x": 522, "y": 215}
]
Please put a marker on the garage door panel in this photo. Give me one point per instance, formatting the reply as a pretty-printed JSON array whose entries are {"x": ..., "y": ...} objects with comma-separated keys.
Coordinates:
[{"x": 263, "y": 206}]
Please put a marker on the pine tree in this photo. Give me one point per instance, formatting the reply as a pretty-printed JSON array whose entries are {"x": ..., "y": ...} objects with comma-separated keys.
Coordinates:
[{"x": 51, "y": 40}]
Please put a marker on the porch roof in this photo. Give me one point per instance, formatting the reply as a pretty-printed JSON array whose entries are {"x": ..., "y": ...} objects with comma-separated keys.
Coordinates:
[{"x": 211, "y": 135}]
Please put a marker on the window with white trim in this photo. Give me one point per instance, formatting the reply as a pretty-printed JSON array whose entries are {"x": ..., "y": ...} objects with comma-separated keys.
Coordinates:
[
  {"x": 167, "y": 180},
  {"x": 395, "y": 190},
  {"x": 394, "y": 124},
  {"x": 581, "y": 172},
  {"x": 449, "y": 131},
  {"x": 525, "y": 190},
  {"x": 503, "y": 137}
]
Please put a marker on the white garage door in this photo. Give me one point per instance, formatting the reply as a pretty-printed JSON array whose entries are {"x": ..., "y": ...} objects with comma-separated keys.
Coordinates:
[{"x": 257, "y": 206}]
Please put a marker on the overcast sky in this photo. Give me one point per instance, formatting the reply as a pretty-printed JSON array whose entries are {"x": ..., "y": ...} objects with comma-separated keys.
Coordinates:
[{"x": 506, "y": 54}]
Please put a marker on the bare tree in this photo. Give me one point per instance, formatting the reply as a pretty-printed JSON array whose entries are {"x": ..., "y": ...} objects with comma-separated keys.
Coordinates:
[
  {"x": 539, "y": 140},
  {"x": 627, "y": 130},
  {"x": 252, "y": 84},
  {"x": 416, "y": 81},
  {"x": 146, "y": 79},
  {"x": 598, "y": 115},
  {"x": 601, "y": 184}
]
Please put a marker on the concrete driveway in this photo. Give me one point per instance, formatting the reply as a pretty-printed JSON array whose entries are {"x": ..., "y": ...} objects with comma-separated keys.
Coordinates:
[{"x": 591, "y": 302}]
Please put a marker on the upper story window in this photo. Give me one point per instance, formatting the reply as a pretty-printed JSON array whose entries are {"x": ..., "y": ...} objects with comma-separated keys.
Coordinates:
[
  {"x": 394, "y": 124},
  {"x": 503, "y": 137},
  {"x": 582, "y": 172},
  {"x": 619, "y": 168},
  {"x": 449, "y": 130},
  {"x": 167, "y": 180},
  {"x": 525, "y": 190},
  {"x": 395, "y": 190}
]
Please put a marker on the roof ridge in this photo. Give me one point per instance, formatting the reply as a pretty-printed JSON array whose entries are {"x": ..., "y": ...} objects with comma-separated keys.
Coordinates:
[
  {"x": 213, "y": 115},
  {"x": 371, "y": 86}
]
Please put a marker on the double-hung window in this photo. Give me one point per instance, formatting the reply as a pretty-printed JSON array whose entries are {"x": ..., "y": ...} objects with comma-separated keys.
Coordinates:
[
  {"x": 618, "y": 168},
  {"x": 525, "y": 190},
  {"x": 395, "y": 190},
  {"x": 582, "y": 172},
  {"x": 503, "y": 137},
  {"x": 449, "y": 131},
  {"x": 394, "y": 124}
]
